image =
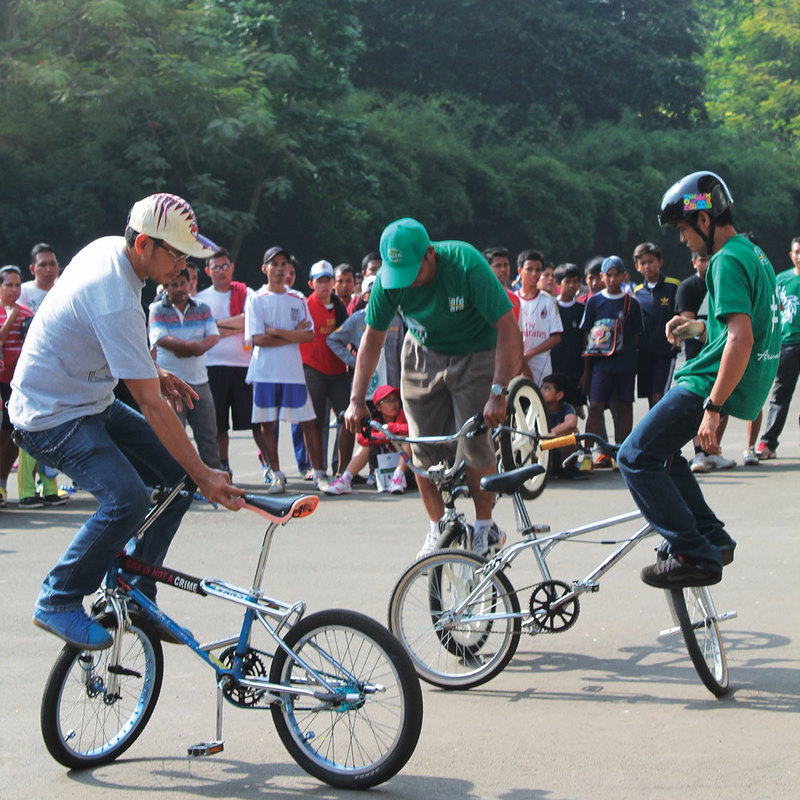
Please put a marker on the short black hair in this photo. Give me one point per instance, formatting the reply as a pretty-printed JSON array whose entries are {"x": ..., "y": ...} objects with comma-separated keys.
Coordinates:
[
  {"x": 566, "y": 270},
  {"x": 343, "y": 269},
  {"x": 594, "y": 266},
  {"x": 794, "y": 241},
  {"x": 222, "y": 252},
  {"x": 42, "y": 247},
  {"x": 373, "y": 256},
  {"x": 645, "y": 248},
  {"x": 529, "y": 255},
  {"x": 561, "y": 381},
  {"x": 495, "y": 252}
]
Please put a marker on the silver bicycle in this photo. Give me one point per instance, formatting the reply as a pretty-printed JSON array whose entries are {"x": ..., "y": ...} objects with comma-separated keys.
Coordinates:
[{"x": 459, "y": 617}]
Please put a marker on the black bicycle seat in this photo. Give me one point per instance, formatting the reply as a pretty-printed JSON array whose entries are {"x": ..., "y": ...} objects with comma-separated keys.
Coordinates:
[
  {"x": 280, "y": 508},
  {"x": 509, "y": 482}
]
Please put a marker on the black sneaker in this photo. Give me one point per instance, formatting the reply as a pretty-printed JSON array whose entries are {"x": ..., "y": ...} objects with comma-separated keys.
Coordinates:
[
  {"x": 31, "y": 502},
  {"x": 674, "y": 572},
  {"x": 55, "y": 499}
]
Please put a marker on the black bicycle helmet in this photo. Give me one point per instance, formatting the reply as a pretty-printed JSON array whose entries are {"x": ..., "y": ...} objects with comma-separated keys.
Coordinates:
[{"x": 700, "y": 191}]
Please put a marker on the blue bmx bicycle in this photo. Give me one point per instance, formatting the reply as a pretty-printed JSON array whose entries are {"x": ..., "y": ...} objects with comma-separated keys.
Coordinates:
[{"x": 343, "y": 694}]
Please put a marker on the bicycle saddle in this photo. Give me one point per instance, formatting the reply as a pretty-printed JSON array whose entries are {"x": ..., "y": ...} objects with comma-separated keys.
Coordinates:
[
  {"x": 281, "y": 509},
  {"x": 509, "y": 482}
]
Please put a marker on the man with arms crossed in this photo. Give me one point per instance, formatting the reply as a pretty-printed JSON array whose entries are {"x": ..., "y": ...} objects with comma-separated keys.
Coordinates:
[
  {"x": 462, "y": 348},
  {"x": 732, "y": 374},
  {"x": 90, "y": 334}
]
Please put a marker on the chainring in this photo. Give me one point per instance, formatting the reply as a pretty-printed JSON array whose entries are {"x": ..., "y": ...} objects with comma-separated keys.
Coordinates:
[
  {"x": 244, "y": 696},
  {"x": 545, "y": 618}
]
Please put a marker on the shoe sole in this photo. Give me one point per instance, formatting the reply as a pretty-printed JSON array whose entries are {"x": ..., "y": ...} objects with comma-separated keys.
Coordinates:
[
  {"x": 682, "y": 583},
  {"x": 72, "y": 642}
]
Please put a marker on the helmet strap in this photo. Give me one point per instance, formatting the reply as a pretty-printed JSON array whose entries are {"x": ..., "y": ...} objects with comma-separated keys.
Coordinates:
[{"x": 707, "y": 238}]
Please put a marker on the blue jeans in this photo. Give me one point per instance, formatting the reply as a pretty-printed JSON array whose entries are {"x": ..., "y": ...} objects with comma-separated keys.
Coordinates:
[
  {"x": 114, "y": 455},
  {"x": 671, "y": 501}
]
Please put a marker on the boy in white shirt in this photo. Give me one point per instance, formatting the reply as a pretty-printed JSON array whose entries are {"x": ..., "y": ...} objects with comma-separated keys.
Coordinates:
[
  {"x": 539, "y": 319},
  {"x": 276, "y": 320}
]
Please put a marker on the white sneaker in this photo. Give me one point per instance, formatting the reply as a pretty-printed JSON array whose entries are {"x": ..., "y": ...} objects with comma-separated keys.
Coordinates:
[
  {"x": 397, "y": 484},
  {"x": 750, "y": 459},
  {"x": 720, "y": 462},
  {"x": 339, "y": 486},
  {"x": 700, "y": 463},
  {"x": 320, "y": 482},
  {"x": 277, "y": 484},
  {"x": 430, "y": 544},
  {"x": 487, "y": 541}
]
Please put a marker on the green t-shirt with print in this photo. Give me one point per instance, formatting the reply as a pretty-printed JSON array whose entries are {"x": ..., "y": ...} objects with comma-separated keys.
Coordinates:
[
  {"x": 453, "y": 314},
  {"x": 740, "y": 280},
  {"x": 789, "y": 296}
]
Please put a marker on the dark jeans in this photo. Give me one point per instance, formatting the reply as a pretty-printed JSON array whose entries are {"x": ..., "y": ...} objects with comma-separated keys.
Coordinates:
[
  {"x": 782, "y": 391},
  {"x": 671, "y": 500},
  {"x": 114, "y": 455}
]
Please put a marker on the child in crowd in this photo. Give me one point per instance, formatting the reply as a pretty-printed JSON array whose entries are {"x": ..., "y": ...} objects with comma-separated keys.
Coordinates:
[
  {"x": 562, "y": 420},
  {"x": 566, "y": 355},
  {"x": 276, "y": 320},
  {"x": 387, "y": 411},
  {"x": 612, "y": 324},
  {"x": 539, "y": 319},
  {"x": 547, "y": 281}
]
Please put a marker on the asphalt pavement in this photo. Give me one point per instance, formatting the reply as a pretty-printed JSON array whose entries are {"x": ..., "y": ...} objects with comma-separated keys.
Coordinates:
[{"x": 603, "y": 710}]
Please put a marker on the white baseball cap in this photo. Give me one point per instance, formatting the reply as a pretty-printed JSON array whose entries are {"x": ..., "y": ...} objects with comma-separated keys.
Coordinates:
[
  {"x": 321, "y": 269},
  {"x": 366, "y": 284},
  {"x": 171, "y": 218}
]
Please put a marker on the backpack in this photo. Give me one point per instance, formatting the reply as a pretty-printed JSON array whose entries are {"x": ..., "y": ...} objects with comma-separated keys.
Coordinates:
[{"x": 606, "y": 335}]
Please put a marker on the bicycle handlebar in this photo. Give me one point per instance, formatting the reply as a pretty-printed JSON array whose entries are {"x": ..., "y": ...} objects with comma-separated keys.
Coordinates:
[{"x": 577, "y": 439}]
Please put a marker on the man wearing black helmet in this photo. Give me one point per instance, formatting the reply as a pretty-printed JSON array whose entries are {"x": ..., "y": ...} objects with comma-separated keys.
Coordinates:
[{"x": 732, "y": 373}]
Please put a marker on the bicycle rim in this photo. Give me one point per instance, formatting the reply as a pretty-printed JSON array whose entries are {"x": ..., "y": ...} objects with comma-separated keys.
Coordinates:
[{"x": 455, "y": 654}]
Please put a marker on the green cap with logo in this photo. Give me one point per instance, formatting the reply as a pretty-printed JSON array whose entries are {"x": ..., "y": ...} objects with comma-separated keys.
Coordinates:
[{"x": 404, "y": 243}]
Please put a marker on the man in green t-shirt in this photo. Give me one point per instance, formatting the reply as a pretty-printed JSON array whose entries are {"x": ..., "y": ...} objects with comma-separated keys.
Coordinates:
[
  {"x": 789, "y": 364},
  {"x": 461, "y": 349},
  {"x": 732, "y": 373}
]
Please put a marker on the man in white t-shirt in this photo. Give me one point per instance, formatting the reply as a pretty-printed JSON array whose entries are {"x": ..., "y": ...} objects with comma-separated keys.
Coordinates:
[
  {"x": 89, "y": 334},
  {"x": 44, "y": 268},
  {"x": 228, "y": 360},
  {"x": 539, "y": 319},
  {"x": 277, "y": 319}
]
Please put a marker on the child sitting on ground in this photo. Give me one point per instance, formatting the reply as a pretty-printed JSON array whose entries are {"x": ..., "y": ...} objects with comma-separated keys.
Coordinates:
[
  {"x": 387, "y": 411},
  {"x": 562, "y": 419}
]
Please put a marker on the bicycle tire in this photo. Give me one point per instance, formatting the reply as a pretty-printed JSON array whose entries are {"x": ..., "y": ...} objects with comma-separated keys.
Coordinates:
[
  {"x": 527, "y": 412},
  {"x": 455, "y": 536},
  {"x": 454, "y": 657},
  {"x": 82, "y": 726},
  {"x": 701, "y": 634},
  {"x": 352, "y": 745}
]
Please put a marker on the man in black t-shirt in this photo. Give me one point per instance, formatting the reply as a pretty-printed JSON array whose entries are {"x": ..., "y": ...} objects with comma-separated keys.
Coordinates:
[{"x": 690, "y": 302}]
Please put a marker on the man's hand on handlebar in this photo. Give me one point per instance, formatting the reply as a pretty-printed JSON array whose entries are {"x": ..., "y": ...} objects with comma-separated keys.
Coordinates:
[
  {"x": 355, "y": 415},
  {"x": 494, "y": 412}
]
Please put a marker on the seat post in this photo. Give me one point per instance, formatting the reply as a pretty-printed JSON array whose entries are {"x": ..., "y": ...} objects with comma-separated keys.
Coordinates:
[{"x": 262, "y": 559}]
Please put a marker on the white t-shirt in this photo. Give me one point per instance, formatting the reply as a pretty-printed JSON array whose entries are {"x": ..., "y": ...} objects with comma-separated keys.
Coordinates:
[
  {"x": 229, "y": 350},
  {"x": 31, "y": 295},
  {"x": 266, "y": 309},
  {"x": 538, "y": 320},
  {"x": 89, "y": 334}
]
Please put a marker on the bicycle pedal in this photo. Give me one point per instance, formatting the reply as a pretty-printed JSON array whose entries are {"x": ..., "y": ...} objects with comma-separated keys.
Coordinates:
[{"x": 205, "y": 749}]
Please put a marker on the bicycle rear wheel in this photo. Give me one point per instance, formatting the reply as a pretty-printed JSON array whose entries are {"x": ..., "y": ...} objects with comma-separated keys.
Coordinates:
[
  {"x": 445, "y": 652},
  {"x": 526, "y": 412},
  {"x": 694, "y": 612},
  {"x": 83, "y": 725},
  {"x": 366, "y": 737}
]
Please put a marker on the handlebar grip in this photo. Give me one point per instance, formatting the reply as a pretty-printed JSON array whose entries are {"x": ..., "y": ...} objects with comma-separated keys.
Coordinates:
[{"x": 558, "y": 441}]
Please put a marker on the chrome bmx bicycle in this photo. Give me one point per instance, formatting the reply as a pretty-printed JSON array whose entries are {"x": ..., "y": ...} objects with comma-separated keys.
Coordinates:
[
  {"x": 460, "y": 618},
  {"x": 343, "y": 694}
]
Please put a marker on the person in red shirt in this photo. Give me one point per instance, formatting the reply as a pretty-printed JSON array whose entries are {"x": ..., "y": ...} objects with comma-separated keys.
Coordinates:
[
  {"x": 326, "y": 374},
  {"x": 12, "y": 316}
]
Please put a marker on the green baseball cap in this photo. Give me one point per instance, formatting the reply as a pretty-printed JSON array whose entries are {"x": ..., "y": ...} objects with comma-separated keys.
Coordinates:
[{"x": 404, "y": 243}]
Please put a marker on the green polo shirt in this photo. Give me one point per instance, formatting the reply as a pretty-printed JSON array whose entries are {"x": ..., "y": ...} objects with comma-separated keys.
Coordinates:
[
  {"x": 740, "y": 280},
  {"x": 453, "y": 314}
]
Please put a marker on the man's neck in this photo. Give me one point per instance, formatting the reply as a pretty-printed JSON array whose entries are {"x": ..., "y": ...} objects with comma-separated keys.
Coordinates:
[
  {"x": 278, "y": 288},
  {"x": 180, "y": 306},
  {"x": 530, "y": 294}
]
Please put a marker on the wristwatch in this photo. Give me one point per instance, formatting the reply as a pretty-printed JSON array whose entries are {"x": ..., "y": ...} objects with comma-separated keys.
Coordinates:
[
  {"x": 709, "y": 406},
  {"x": 498, "y": 390}
]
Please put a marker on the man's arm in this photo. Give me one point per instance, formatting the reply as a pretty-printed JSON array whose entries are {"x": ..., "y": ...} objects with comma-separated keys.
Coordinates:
[
  {"x": 230, "y": 326},
  {"x": 506, "y": 360},
  {"x": 369, "y": 353},
  {"x": 186, "y": 349},
  {"x": 277, "y": 337},
  {"x": 548, "y": 344},
  {"x": 213, "y": 484},
  {"x": 732, "y": 366}
]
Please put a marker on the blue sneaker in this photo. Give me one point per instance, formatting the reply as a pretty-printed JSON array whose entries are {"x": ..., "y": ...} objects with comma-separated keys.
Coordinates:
[{"x": 74, "y": 627}]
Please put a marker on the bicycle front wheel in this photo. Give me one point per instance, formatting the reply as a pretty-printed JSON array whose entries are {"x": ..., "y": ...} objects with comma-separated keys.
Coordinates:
[
  {"x": 694, "y": 611},
  {"x": 369, "y": 734},
  {"x": 526, "y": 412},
  {"x": 455, "y": 651},
  {"x": 83, "y": 723}
]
